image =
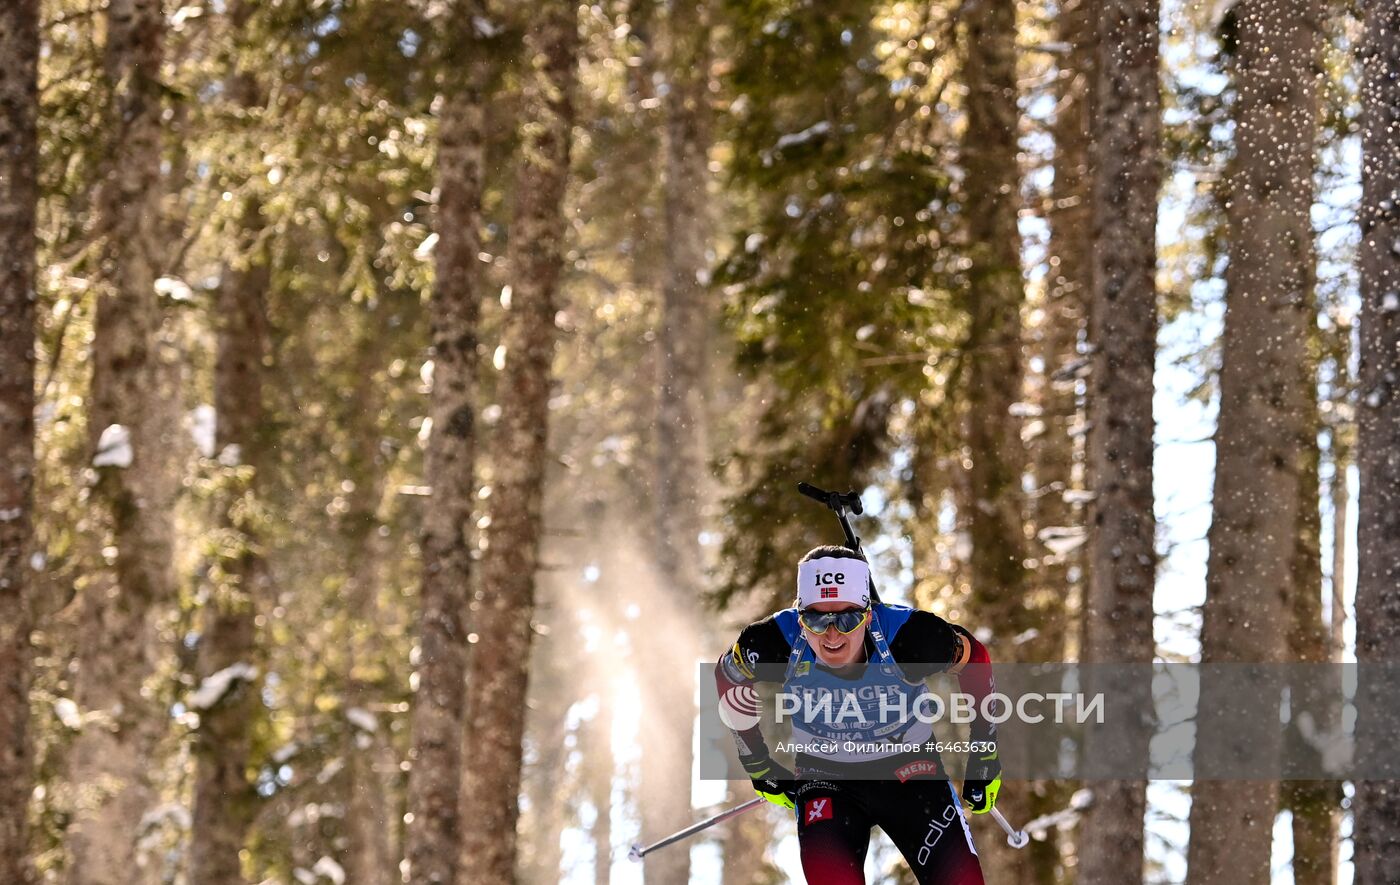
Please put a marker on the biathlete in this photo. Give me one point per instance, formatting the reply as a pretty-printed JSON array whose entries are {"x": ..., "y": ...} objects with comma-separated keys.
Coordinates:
[{"x": 874, "y": 766}]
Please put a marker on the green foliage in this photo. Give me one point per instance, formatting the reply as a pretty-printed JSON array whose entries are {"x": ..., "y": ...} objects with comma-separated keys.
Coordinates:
[{"x": 842, "y": 291}]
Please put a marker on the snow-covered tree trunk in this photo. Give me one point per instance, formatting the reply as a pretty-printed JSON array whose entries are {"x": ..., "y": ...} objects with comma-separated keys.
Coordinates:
[
  {"x": 499, "y": 665},
  {"x": 1261, "y": 439},
  {"x": 1378, "y": 440},
  {"x": 994, "y": 517},
  {"x": 666, "y": 646},
  {"x": 1123, "y": 336},
  {"x": 111, "y": 761},
  {"x": 225, "y": 801},
  {"x": 19, "y": 194},
  {"x": 433, "y": 836}
]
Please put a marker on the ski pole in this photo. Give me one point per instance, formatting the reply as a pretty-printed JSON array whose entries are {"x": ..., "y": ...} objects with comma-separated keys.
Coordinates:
[
  {"x": 1014, "y": 838},
  {"x": 1081, "y": 800},
  {"x": 638, "y": 852}
]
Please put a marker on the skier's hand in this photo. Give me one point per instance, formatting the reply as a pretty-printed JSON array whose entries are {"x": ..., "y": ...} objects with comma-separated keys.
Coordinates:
[
  {"x": 982, "y": 783},
  {"x": 771, "y": 780}
]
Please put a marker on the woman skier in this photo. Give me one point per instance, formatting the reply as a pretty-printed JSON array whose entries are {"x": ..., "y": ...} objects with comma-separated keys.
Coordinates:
[{"x": 874, "y": 762}]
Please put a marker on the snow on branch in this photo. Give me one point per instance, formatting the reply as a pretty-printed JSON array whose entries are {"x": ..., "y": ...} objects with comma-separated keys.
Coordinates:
[{"x": 216, "y": 685}]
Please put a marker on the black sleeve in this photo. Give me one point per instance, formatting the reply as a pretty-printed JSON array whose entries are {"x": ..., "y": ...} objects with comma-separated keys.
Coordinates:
[
  {"x": 761, "y": 642},
  {"x": 925, "y": 645}
]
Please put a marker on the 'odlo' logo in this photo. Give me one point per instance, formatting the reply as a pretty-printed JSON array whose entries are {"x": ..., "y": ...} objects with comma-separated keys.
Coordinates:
[{"x": 935, "y": 832}]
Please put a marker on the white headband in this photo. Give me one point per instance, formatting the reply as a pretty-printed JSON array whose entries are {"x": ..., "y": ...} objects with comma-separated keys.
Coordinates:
[{"x": 833, "y": 579}]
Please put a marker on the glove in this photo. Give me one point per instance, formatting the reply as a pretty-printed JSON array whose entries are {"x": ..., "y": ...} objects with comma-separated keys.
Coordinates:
[
  {"x": 982, "y": 783},
  {"x": 771, "y": 781}
]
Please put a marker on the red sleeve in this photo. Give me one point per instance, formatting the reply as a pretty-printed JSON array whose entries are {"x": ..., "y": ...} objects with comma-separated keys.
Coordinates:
[{"x": 974, "y": 672}]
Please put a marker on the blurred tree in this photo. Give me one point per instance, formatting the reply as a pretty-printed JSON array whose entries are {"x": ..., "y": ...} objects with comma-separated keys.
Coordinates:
[
  {"x": 224, "y": 799},
  {"x": 372, "y": 855},
  {"x": 130, "y": 432},
  {"x": 993, "y": 505},
  {"x": 19, "y": 194},
  {"x": 1313, "y": 803},
  {"x": 1261, "y": 441},
  {"x": 600, "y": 789},
  {"x": 434, "y": 837},
  {"x": 996, "y": 293},
  {"x": 1126, "y": 118},
  {"x": 498, "y": 669},
  {"x": 1377, "y": 806},
  {"x": 680, "y": 452},
  {"x": 1065, "y": 309}
]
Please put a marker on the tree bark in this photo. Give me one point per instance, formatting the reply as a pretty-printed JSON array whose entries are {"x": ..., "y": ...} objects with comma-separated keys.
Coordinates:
[
  {"x": 1377, "y": 850},
  {"x": 1314, "y": 803},
  {"x": 1055, "y": 461},
  {"x": 993, "y": 199},
  {"x": 225, "y": 799},
  {"x": 1261, "y": 440},
  {"x": 994, "y": 515},
  {"x": 1066, "y": 302},
  {"x": 680, "y": 465},
  {"x": 111, "y": 762},
  {"x": 19, "y": 195},
  {"x": 433, "y": 836},
  {"x": 499, "y": 666},
  {"x": 1123, "y": 338}
]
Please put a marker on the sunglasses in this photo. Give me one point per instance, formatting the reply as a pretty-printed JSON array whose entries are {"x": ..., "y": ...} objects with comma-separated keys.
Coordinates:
[{"x": 846, "y": 622}]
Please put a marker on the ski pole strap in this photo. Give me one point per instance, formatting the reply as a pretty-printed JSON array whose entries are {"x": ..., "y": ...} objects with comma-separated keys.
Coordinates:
[{"x": 638, "y": 852}]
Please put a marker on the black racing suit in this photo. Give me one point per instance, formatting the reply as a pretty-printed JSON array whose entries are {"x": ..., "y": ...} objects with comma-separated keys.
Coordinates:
[{"x": 910, "y": 797}]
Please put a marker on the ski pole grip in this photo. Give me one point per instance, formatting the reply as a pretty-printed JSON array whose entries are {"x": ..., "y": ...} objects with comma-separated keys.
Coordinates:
[{"x": 835, "y": 500}]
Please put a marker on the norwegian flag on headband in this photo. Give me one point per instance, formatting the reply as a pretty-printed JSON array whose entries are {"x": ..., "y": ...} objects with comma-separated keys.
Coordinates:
[{"x": 833, "y": 579}]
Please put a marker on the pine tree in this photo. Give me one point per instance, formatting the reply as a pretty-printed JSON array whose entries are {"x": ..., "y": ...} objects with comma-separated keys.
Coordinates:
[
  {"x": 1261, "y": 439},
  {"x": 498, "y": 671},
  {"x": 128, "y": 427},
  {"x": 1066, "y": 302},
  {"x": 1314, "y": 803},
  {"x": 1126, "y": 120},
  {"x": 224, "y": 797},
  {"x": 19, "y": 193},
  {"x": 993, "y": 201},
  {"x": 681, "y": 458},
  {"x": 433, "y": 839},
  {"x": 992, "y": 508},
  {"x": 1377, "y": 813}
]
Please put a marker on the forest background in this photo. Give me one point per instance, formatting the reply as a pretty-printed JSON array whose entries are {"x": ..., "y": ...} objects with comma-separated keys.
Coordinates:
[{"x": 397, "y": 400}]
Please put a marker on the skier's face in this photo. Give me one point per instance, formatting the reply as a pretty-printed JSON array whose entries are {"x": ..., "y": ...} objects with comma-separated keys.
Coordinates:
[{"x": 834, "y": 648}]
